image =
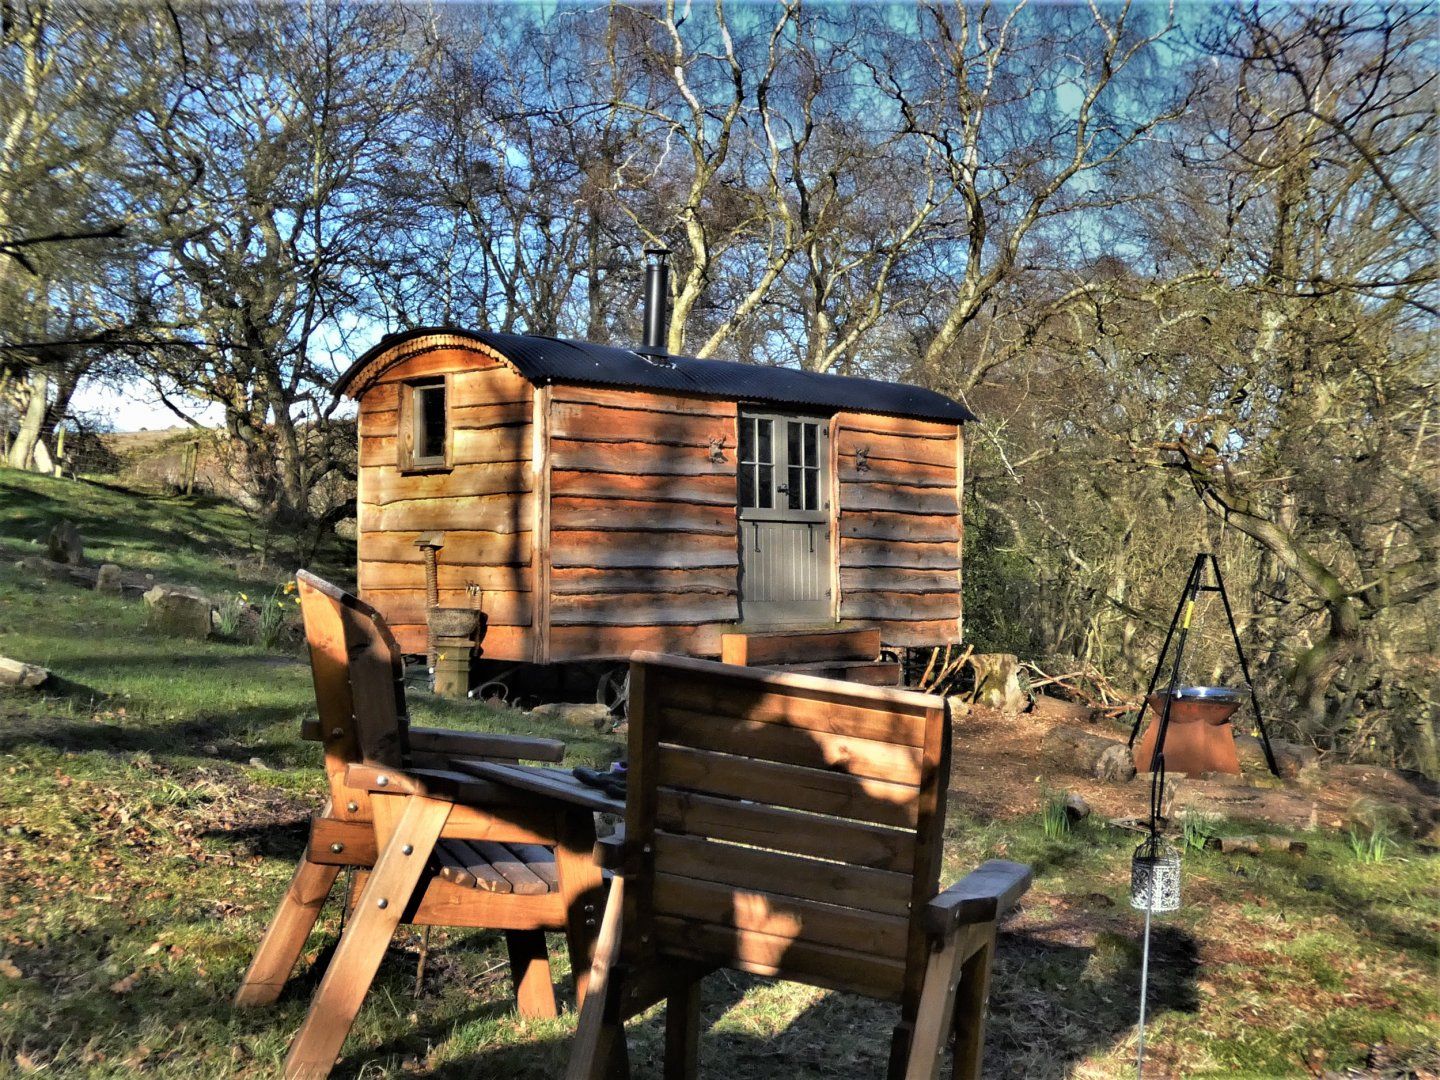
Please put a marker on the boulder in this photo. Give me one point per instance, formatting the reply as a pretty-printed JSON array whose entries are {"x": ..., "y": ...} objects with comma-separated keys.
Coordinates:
[
  {"x": 1091, "y": 755},
  {"x": 181, "y": 612},
  {"x": 108, "y": 579},
  {"x": 19, "y": 674},
  {"x": 65, "y": 544},
  {"x": 1076, "y": 808},
  {"x": 997, "y": 681},
  {"x": 39, "y": 566}
]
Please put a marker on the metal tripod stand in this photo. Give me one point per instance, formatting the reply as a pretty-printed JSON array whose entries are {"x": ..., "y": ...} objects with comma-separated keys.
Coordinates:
[{"x": 1194, "y": 586}]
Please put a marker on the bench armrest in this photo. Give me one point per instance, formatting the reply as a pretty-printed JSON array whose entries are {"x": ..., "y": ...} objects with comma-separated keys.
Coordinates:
[
  {"x": 438, "y": 784},
  {"x": 467, "y": 743},
  {"x": 983, "y": 895},
  {"x": 484, "y": 744}
]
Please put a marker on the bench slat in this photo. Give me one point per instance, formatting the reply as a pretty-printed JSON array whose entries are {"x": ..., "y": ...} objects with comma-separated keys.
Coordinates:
[
  {"x": 815, "y": 790},
  {"x": 785, "y": 830},
  {"x": 523, "y": 881},
  {"x": 752, "y": 868},
  {"x": 791, "y": 746}
]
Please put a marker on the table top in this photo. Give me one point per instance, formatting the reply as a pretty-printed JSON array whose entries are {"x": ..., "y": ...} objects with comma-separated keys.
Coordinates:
[{"x": 553, "y": 783}]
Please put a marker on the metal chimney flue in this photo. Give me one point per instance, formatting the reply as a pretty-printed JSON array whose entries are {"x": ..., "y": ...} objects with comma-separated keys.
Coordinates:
[{"x": 657, "y": 303}]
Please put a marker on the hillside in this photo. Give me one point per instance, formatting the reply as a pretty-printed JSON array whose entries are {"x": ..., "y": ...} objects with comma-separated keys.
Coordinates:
[{"x": 156, "y": 799}]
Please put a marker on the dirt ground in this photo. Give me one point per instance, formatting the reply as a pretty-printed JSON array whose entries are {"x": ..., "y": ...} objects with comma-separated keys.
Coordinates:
[{"x": 998, "y": 771}]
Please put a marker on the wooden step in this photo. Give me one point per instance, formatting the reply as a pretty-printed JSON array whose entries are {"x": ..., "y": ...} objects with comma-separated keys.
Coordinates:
[
  {"x": 768, "y": 648},
  {"x": 868, "y": 672}
]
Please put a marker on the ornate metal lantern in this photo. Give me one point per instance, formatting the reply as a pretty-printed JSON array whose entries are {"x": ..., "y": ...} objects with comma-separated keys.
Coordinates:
[{"x": 1155, "y": 876}]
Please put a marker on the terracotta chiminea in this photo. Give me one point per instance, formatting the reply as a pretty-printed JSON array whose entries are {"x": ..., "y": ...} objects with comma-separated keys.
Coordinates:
[{"x": 1199, "y": 738}]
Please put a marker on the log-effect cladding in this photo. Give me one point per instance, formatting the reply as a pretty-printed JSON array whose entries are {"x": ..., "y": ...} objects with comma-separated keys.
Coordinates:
[
  {"x": 642, "y": 525},
  {"x": 900, "y": 530},
  {"x": 482, "y": 505}
]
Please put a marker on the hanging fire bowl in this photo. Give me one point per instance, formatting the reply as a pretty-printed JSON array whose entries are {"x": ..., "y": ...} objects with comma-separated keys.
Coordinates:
[{"x": 1199, "y": 738}]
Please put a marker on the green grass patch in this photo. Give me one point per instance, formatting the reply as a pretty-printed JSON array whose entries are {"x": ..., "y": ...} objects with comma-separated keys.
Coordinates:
[{"x": 155, "y": 799}]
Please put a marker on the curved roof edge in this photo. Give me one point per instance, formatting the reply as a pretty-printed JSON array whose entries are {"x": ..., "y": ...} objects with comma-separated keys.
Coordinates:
[{"x": 545, "y": 360}]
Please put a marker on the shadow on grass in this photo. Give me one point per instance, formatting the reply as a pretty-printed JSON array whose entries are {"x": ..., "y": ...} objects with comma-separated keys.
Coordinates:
[
  {"x": 232, "y": 736},
  {"x": 1050, "y": 1009}
]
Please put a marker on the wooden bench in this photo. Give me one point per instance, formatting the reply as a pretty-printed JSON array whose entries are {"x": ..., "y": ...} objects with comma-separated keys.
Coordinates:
[
  {"x": 789, "y": 826},
  {"x": 432, "y": 842}
]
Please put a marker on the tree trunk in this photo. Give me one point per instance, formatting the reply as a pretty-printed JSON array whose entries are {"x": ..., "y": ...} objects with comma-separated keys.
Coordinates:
[
  {"x": 32, "y": 422},
  {"x": 1072, "y": 749}
]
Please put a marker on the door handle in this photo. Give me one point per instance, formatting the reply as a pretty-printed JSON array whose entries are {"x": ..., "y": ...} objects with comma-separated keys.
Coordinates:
[{"x": 783, "y": 489}]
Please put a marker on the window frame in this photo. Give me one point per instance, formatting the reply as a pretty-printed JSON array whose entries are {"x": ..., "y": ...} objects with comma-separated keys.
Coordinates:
[{"x": 411, "y": 420}]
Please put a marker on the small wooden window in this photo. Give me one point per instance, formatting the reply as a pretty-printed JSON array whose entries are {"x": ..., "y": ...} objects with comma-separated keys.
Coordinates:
[{"x": 426, "y": 426}]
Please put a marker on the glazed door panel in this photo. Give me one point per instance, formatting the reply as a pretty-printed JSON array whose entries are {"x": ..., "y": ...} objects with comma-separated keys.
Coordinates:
[{"x": 784, "y": 512}]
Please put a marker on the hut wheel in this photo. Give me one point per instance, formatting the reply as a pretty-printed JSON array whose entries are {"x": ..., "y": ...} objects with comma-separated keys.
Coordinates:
[{"x": 613, "y": 690}]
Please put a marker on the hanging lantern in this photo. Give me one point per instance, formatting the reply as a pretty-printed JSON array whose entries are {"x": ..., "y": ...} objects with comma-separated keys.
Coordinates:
[{"x": 1155, "y": 876}]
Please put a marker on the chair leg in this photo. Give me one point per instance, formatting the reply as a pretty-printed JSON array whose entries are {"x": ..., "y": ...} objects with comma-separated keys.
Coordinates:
[
  {"x": 286, "y": 935},
  {"x": 973, "y": 993},
  {"x": 682, "y": 1033},
  {"x": 934, "y": 1019},
  {"x": 530, "y": 970},
  {"x": 598, "y": 1050},
  {"x": 347, "y": 980},
  {"x": 582, "y": 886}
]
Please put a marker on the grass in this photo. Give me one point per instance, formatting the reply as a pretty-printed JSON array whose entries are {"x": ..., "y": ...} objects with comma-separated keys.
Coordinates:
[
  {"x": 1055, "y": 819},
  {"x": 155, "y": 799},
  {"x": 1371, "y": 847}
]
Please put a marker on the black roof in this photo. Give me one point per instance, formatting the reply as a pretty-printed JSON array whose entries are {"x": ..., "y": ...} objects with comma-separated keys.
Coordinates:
[{"x": 545, "y": 360}]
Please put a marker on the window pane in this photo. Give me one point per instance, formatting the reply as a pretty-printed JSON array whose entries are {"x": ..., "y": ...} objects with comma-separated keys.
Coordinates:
[
  {"x": 797, "y": 487},
  {"x": 747, "y": 439},
  {"x": 812, "y": 489},
  {"x": 792, "y": 443},
  {"x": 811, "y": 457},
  {"x": 430, "y": 423},
  {"x": 767, "y": 455},
  {"x": 747, "y": 485},
  {"x": 766, "y": 493}
]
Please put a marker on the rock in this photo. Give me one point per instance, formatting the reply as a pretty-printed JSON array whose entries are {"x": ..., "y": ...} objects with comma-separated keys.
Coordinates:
[
  {"x": 1091, "y": 755},
  {"x": 65, "y": 544},
  {"x": 20, "y": 674},
  {"x": 42, "y": 567},
  {"x": 1060, "y": 709},
  {"x": 581, "y": 714},
  {"x": 997, "y": 681},
  {"x": 182, "y": 612},
  {"x": 259, "y": 763},
  {"x": 107, "y": 579},
  {"x": 1076, "y": 808},
  {"x": 959, "y": 707}
]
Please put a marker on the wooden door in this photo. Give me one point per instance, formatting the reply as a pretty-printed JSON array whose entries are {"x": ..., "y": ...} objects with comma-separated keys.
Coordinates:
[{"x": 784, "y": 513}]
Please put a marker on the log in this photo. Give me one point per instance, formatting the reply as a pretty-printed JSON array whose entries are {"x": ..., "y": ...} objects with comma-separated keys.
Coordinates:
[{"x": 1092, "y": 755}]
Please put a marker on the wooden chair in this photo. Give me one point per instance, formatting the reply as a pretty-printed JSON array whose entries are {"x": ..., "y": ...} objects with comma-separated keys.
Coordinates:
[
  {"x": 789, "y": 826},
  {"x": 432, "y": 844}
]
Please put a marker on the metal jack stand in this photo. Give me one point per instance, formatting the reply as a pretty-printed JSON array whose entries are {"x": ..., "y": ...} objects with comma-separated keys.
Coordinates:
[{"x": 1184, "y": 612}]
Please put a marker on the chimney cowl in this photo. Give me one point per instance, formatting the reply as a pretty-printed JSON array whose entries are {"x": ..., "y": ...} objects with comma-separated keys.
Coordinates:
[{"x": 657, "y": 305}]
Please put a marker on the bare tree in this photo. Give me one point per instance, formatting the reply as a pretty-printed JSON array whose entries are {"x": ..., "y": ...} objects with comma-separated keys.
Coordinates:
[{"x": 285, "y": 117}]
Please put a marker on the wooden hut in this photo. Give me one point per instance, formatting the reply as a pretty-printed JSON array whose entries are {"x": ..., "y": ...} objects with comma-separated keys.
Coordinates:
[{"x": 590, "y": 501}]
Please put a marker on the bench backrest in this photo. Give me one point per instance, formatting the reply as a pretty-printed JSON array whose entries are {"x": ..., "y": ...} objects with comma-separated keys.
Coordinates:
[
  {"x": 359, "y": 680},
  {"x": 785, "y": 824}
]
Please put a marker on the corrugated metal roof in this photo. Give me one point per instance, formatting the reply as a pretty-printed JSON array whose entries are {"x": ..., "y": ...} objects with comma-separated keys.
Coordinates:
[{"x": 556, "y": 360}]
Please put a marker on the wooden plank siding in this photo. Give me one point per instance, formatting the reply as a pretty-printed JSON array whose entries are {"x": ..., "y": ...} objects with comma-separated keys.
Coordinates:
[
  {"x": 899, "y": 527},
  {"x": 482, "y": 506},
  {"x": 643, "y": 528},
  {"x": 590, "y": 522}
]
